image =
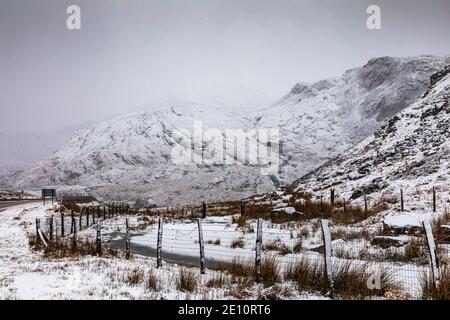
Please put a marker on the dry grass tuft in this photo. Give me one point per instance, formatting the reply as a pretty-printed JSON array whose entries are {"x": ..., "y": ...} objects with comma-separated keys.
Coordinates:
[
  {"x": 136, "y": 277},
  {"x": 350, "y": 280},
  {"x": 217, "y": 281},
  {"x": 442, "y": 292},
  {"x": 237, "y": 243},
  {"x": 270, "y": 271},
  {"x": 187, "y": 280},
  {"x": 69, "y": 248},
  {"x": 152, "y": 281},
  {"x": 277, "y": 245}
]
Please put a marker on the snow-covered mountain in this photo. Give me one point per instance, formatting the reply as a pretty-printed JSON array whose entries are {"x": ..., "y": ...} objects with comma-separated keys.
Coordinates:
[
  {"x": 130, "y": 156},
  {"x": 320, "y": 120},
  {"x": 411, "y": 151},
  {"x": 134, "y": 152}
]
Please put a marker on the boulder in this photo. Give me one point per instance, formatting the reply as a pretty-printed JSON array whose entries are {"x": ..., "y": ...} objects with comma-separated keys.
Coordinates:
[{"x": 388, "y": 241}]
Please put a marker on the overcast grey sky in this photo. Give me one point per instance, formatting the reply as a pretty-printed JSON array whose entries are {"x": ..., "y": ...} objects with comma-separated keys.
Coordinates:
[{"x": 129, "y": 53}]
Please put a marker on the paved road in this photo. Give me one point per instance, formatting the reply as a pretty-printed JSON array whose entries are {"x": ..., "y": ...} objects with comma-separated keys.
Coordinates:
[
  {"x": 7, "y": 204},
  {"x": 147, "y": 251}
]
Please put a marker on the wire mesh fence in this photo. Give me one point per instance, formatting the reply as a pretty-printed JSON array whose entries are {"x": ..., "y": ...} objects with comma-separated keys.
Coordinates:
[{"x": 360, "y": 268}]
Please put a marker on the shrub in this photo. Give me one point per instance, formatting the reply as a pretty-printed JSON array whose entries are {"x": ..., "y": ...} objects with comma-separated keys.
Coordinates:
[
  {"x": 215, "y": 242},
  {"x": 298, "y": 246},
  {"x": 237, "y": 243}
]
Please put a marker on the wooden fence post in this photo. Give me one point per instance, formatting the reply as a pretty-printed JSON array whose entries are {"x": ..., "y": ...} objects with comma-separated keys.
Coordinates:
[
  {"x": 38, "y": 226},
  {"x": 127, "y": 240},
  {"x": 401, "y": 200},
  {"x": 326, "y": 235},
  {"x": 332, "y": 196},
  {"x": 104, "y": 212},
  {"x": 345, "y": 206},
  {"x": 202, "y": 247},
  {"x": 87, "y": 217},
  {"x": 93, "y": 215},
  {"x": 40, "y": 235},
  {"x": 433, "y": 254},
  {"x": 62, "y": 224},
  {"x": 203, "y": 210},
  {"x": 74, "y": 228},
  {"x": 434, "y": 199},
  {"x": 242, "y": 208},
  {"x": 79, "y": 220},
  {"x": 258, "y": 250},
  {"x": 99, "y": 239},
  {"x": 321, "y": 202},
  {"x": 72, "y": 221},
  {"x": 366, "y": 207},
  {"x": 51, "y": 229},
  {"x": 159, "y": 244}
]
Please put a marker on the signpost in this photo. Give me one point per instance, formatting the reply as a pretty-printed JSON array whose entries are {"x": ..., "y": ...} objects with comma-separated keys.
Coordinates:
[{"x": 48, "y": 193}]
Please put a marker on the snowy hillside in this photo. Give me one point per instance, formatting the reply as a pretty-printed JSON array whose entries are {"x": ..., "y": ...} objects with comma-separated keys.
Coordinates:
[
  {"x": 410, "y": 151},
  {"x": 130, "y": 156},
  {"x": 133, "y": 154},
  {"x": 320, "y": 120}
]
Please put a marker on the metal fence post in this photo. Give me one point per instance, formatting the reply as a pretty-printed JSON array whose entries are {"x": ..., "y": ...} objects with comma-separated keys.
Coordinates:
[
  {"x": 202, "y": 247},
  {"x": 258, "y": 250},
  {"x": 433, "y": 254},
  {"x": 159, "y": 244},
  {"x": 326, "y": 235}
]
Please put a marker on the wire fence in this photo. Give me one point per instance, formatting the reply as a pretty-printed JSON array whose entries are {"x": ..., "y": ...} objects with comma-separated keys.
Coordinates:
[{"x": 403, "y": 267}]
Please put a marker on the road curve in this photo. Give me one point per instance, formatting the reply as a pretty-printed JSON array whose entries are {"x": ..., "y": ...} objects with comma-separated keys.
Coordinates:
[{"x": 7, "y": 204}]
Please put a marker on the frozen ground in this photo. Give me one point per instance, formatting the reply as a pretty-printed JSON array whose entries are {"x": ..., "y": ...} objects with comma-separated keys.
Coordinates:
[{"x": 25, "y": 274}]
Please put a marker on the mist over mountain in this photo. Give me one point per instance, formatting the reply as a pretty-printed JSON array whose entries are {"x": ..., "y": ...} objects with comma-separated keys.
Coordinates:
[{"x": 130, "y": 157}]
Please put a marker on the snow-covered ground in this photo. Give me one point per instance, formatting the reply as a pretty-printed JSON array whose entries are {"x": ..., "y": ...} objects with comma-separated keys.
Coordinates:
[{"x": 26, "y": 274}]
